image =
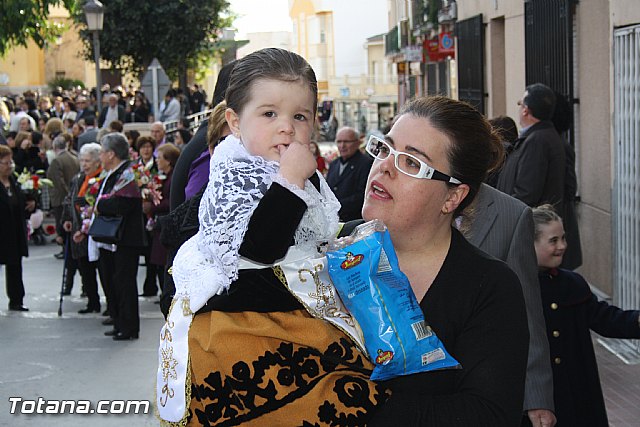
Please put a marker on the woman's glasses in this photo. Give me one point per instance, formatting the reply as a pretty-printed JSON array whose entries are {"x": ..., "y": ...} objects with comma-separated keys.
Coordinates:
[{"x": 406, "y": 163}]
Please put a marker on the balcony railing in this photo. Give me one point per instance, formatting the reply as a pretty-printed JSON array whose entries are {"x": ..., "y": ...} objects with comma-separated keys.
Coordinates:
[{"x": 392, "y": 42}]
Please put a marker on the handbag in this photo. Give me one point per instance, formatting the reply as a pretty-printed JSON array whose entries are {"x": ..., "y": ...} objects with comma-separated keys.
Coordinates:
[{"x": 106, "y": 229}]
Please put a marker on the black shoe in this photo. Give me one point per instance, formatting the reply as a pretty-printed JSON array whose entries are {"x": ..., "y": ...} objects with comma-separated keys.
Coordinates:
[
  {"x": 105, "y": 313},
  {"x": 83, "y": 295},
  {"x": 17, "y": 307},
  {"x": 124, "y": 337},
  {"x": 59, "y": 255},
  {"x": 66, "y": 292},
  {"x": 89, "y": 310},
  {"x": 111, "y": 333},
  {"x": 108, "y": 321}
]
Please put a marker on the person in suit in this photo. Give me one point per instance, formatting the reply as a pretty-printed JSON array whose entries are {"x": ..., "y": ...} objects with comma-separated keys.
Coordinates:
[
  {"x": 14, "y": 210},
  {"x": 61, "y": 171},
  {"x": 534, "y": 172},
  {"x": 114, "y": 111},
  {"x": 120, "y": 262},
  {"x": 90, "y": 134},
  {"x": 347, "y": 174},
  {"x": 502, "y": 226},
  {"x": 83, "y": 111}
]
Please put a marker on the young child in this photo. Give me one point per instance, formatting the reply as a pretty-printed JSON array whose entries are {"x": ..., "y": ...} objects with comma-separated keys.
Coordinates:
[
  {"x": 256, "y": 356},
  {"x": 571, "y": 310}
]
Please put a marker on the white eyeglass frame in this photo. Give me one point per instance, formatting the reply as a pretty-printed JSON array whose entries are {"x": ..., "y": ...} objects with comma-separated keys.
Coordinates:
[{"x": 425, "y": 172}]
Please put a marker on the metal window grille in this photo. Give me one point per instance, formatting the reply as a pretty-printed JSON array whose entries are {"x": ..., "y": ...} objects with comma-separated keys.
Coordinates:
[{"x": 626, "y": 206}]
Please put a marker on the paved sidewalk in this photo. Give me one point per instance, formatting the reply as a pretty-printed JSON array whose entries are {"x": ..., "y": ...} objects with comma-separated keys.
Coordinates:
[{"x": 621, "y": 388}]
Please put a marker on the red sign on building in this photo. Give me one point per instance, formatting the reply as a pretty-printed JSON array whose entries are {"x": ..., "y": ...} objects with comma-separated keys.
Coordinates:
[{"x": 438, "y": 49}]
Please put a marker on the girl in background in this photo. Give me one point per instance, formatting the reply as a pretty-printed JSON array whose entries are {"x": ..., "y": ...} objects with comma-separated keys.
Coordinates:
[{"x": 571, "y": 312}]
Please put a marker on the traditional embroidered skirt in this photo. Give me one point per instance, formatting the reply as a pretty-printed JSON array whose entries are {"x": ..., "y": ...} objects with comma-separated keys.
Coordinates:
[{"x": 277, "y": 369}]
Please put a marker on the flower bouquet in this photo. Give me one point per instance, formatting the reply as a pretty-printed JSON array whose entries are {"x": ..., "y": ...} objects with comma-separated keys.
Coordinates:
[
  {"x": 90, "y": 197},
  {"x": 31, "y": 184},
  {"x": 150, "y": 185}
]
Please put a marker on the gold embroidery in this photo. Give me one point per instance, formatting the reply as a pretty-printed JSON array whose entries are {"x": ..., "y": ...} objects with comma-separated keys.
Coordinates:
[
  {"x": 325, "y": 299},
  {"x": 186, "y": 310}
]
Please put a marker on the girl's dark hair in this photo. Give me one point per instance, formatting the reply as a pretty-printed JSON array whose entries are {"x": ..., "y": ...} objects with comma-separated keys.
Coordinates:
[
  {"x": 475, "y": 148},
  {"x": 506, "y": 128},
  {"x": 272, "y": 64}
]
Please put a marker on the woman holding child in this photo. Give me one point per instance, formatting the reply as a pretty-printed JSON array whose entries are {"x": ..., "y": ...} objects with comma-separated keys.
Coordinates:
[{"x": 257, "y": 356}]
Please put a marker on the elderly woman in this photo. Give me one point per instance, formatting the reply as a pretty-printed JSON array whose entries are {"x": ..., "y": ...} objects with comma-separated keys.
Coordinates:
[
  {"x": 14, "y": 210},
  {"x": 428, "y": 168},
  {"x": 74, "y": 205}
]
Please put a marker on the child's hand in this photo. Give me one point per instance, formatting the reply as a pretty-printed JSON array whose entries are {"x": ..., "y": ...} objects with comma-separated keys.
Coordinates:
[{"x": 297, "y": 163}]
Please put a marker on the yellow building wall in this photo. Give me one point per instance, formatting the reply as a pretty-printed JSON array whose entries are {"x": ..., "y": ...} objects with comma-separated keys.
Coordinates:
[{"x": 22, "y": 67}]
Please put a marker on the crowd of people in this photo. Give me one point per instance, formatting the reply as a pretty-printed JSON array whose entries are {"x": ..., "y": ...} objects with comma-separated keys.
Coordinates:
[{"x": 476, "y": 210}]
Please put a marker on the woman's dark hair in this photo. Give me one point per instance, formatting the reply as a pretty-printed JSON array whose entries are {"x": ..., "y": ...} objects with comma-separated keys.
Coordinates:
[
  {"x": 36, "y": 138},
  {"x": 540, "y": 100},
  {"x": 506, "y": 128},
  {"x": 474, "y": 147},
  {"x": 144, "y": 140},
  {"x": 185, "y": 135},
  {"x": 134, "y": 135},
  {"x": 222, "y": 83},
  {"x": 72, "y": 105},
  {"x": 272, "y": 64}
]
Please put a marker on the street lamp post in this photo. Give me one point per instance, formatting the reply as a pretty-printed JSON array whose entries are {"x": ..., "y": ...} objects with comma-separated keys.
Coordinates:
[{"x": 94, "y": 13}]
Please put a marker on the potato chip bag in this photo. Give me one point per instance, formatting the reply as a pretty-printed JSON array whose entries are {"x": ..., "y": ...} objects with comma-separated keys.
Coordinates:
[{"x": 365, "y": 272}]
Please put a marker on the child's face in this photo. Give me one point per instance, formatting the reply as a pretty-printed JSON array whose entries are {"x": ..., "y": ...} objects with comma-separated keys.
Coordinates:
[
  {"x": 277, "y": 114},
  {"x": 550, "y": 245}
]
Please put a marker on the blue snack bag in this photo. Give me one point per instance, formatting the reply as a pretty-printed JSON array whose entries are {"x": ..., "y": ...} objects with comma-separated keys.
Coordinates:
[{"x": 364, "y": 270}]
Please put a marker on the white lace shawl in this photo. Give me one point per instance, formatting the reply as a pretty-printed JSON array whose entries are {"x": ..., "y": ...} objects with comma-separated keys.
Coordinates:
[{"x": 207, "y": 264}]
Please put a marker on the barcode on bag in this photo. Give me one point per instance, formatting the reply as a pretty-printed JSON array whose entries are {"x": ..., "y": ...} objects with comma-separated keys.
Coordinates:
[
  {"x": 421, "y": 330},
  {"x": 383, "y": 265},
  {"x": 432, "y": 356}
]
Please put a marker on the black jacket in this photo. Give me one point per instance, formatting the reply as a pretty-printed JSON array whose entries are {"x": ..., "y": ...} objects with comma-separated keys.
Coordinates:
[
  {"x": 534, "y": 172},
  {"x": 349, "y": 187},
  {"x": 133, "y": 234},
  {"x": 13, "y": 226},
  {"x": 571, "y": 312}
]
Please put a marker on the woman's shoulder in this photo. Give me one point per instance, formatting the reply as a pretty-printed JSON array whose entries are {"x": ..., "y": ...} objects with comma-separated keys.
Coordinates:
[{"x": 472, "y": 267}]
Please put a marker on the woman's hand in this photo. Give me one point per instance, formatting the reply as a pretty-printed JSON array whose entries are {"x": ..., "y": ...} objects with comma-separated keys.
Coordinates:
[
  {"x": 78, "y": 236},
  {"x": 297, "y": 162},
  {"x": 30, "y": 205},
  {"x": 67, "y": 226},
  {"x": 26, "y": 144}
]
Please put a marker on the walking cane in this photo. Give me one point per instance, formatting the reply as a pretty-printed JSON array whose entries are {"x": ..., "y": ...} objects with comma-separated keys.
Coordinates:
[{"x": 64, "y": 274}]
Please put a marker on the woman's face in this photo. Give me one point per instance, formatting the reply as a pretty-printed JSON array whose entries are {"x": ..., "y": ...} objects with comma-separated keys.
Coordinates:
[
  {"x": 75, "y": 130},
  {"x": 402, "y": 202},
  {"x": 177, "y": 139},
  {"x": 550, "y": 245},
  {"x": 163, "y": 164},
  {"x": 88, "y": 164},
  {"x": 146, "y": 151},
  {"x": 6, "y": 166}
]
